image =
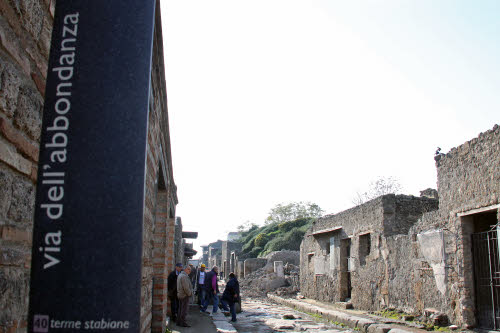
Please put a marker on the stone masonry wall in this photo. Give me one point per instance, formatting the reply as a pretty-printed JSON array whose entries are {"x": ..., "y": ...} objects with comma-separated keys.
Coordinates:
[
  {"x": 25, "y": 32},
  {"x": 469, "y": 175},
  {"x": 420, "y": 254},
  {"x": 318, "y": 280},
  {"x": 380, "y": 252},
  {"x": 253, "y": 264},
  {"x": 468, "y": 180},
  {"x": 227, "y": 248}
]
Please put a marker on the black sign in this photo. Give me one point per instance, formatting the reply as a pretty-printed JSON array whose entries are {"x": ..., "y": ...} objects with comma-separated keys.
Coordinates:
[{"x": 87, "y": 238}]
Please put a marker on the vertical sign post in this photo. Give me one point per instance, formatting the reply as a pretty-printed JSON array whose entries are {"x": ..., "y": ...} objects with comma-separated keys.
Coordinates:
[{"x": 87, "y": 238}]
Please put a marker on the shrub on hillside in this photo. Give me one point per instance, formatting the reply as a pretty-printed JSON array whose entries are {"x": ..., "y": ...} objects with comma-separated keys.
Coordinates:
[
  {"x": 247, "y": 247},
  {"x": 289, "y": 225},
  {"x": 255, "y": 252},
  {"x": 293, "y": 238},
  {"x": 261, "y": 240},
  {"x": 276, "y": 244}
]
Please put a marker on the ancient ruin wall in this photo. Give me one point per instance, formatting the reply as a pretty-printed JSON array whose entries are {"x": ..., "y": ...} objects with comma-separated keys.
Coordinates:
[
  {"x": 253, "y": 264},
  {"x": 287, "y": 256},
  {"x": 25, "y": 33},
  {"x": 468, "y": 180},
  {"x": 318, "y": 280},
  {"x": 469, "y": 175},
  {"x": 379, "y": 276},
  {"x": 407, "y": 209}
]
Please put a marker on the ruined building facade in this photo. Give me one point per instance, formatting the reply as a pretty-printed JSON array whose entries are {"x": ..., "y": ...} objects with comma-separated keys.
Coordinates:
[
  {"x": 413, "y": 253},
  {"x": 25, "y": 32},
  {"x": 229, "y": 260}
]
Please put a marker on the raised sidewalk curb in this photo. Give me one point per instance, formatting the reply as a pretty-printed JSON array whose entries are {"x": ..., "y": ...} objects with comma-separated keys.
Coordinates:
[
  {"x": 222, "y": 324},
  {"x": 353, "y": 320}
]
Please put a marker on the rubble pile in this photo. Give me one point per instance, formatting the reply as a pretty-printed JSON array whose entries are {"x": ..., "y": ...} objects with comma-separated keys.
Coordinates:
[
  {"x": 292, "y": 277},
  {"x": 265, "y": 280}
]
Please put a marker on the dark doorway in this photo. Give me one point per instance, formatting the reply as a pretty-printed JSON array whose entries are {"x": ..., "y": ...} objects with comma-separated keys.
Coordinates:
[
  {"x": 345, "y": 268},
  {"x": 486, "y": 251}
]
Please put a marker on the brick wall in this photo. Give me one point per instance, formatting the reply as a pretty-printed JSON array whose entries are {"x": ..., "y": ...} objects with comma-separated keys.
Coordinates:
[
  {"x": 25, "y": 32},
  {"x": 161, "y": 198}
]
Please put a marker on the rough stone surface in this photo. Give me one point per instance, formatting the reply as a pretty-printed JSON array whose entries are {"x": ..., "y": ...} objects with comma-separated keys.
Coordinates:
[
  {"x": 253, "y": 264},
  {"x": 10, "y": 156},
  {"x": 28, "y": 112},
  {"x": 6, "y": 192},
  {"x": 14, "y": 136},
  {"x": 14, "y": 291},
  {"x": 20, "y": 116},
  {"x": 23, "y": 201},
  {"x": 417, "y": 254},
  {"x": 263, "y": 316},
  {"x": 365, "y": 231},
  {"x": 10, "y": 82},
  {"x": 286, "y": 256}
]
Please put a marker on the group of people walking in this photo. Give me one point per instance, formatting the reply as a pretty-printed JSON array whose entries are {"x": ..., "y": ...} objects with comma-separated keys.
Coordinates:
[{"x": 183, "y": 283}]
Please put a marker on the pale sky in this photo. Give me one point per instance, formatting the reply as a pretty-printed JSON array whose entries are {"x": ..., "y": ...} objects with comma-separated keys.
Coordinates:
[{"x": 277, "y": 101}]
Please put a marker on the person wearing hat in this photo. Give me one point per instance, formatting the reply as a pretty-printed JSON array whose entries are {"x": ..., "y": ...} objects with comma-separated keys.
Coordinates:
[
  {"x": 200, "y": 284},
  {"x": 172, "y": 290}
]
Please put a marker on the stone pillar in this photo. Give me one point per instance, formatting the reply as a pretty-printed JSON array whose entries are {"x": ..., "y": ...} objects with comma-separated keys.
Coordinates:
[
  {"x": 278, "y": 268},
  {"x": 160, "y": 263},
  {"x": 241, "y": 274}
]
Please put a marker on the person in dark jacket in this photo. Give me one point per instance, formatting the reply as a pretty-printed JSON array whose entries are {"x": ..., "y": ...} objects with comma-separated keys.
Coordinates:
[
  {"x": 172, "y": 290},
  {"x": 230, "y": 295},
  {"x": 212, "y": 289}
]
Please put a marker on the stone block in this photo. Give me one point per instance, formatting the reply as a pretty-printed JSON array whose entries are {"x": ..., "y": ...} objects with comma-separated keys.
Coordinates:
[
  {"x": 6, "y": 192},
  {"x": 10, "y": 156},
  {"x": 21, "y": 143},
  {"x": 23, "y": 201},
  {"x": 378, "y": 328},
  {"x": 275, "y": 283},
  {"x": 15, "y": 234},
  {"x": 40, "y": 60},
  {"x": 31, "y": 13},
  {"x": 11, "y": 43},
  {"x": 39, "y": 82},
  {"x": 14, "y": 256},
  {"x": 14, "y": 291},
  {"x": 28, "y": 113},
  {"x": 45, "y": 36},
  {"x": 10, "y": 82},
  {"x": 278, "y": 269},
  {"x": 400, "y": 330}
]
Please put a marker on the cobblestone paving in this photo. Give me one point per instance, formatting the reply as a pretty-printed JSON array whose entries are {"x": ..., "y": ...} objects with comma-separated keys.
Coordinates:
[{"x": 262, "y": 316}]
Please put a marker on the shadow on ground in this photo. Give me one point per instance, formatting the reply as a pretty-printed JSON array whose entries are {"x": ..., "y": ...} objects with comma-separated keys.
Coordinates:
[{"x": 200, "y": 322}]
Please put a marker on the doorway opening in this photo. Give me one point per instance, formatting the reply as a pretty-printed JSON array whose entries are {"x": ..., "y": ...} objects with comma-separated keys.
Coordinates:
[
  {"x": 345, "y": 270},
  {"x": 485, "y": 248}
]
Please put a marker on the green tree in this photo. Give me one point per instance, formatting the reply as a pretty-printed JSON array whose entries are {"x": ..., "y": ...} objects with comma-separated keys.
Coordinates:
[{"x": 293, "y": 211}]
